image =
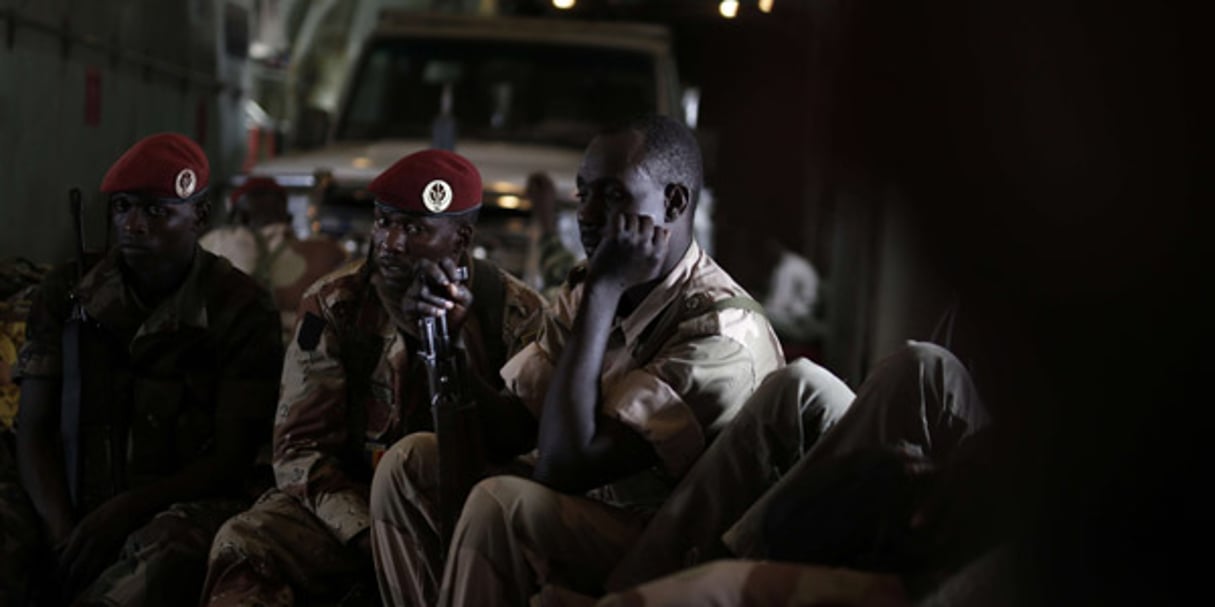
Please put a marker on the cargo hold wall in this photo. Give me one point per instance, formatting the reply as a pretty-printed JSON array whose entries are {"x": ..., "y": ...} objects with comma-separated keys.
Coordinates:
[{"x": 81, "y": 81}]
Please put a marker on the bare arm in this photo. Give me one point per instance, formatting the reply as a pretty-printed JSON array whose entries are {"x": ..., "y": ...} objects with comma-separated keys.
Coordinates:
[
  {"x": 579, "y": 447},
  {"x": 39, "y": 457},
  {"x": 507, "y": 426}
]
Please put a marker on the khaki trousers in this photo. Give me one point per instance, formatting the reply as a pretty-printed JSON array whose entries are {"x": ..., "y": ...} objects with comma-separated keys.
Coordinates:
[
  {"x": 404, "y": 522},
  {"x": 404, "y": 504},
  {"x": 920, "y": 396},
  {"x": 516, "y": 537}
]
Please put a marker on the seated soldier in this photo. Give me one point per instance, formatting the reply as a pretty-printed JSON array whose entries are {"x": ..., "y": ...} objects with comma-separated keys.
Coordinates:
[
  {"x": 260, "y": 243},
  {"x": 353, "y": 384},
  {"x": 156, "y": 370},
  {"x": 556, "y": 261},
  {"x": 649, "y": 351},
  {"x": 899, "y": 493}
]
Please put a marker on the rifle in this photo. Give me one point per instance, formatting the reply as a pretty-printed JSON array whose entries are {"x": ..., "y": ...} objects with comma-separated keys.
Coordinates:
[
  {"x": 457, "y": 425},
  {"x": 84, "y": 381},
  {"x": 73, "y": 389}
]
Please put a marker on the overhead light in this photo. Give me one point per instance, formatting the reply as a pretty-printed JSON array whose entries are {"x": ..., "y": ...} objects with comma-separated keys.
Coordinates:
[
  {"x": 505, "y": 187},
  {"x": 508, "y": 202},
  {"x": 765, "y": 6},
  {"x": 563, "y": 4},
  {"x": 728, "y": 8},
  {"x": 362, "y": 162}
]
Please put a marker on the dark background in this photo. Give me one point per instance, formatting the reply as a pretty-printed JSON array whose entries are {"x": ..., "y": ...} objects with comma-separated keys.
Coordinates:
[{"x": 1049, "y": 161}]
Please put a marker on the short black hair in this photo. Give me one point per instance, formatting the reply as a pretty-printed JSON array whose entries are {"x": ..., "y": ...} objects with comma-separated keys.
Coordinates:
[{"x": 671, "y": 152}]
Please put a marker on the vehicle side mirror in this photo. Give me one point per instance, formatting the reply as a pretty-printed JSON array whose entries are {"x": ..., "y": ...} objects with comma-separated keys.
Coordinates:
[{"x": 690, "y": 100}]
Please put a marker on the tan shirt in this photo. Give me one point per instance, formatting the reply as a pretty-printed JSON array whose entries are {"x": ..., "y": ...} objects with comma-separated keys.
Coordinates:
[{"x": 687, "y": 391}]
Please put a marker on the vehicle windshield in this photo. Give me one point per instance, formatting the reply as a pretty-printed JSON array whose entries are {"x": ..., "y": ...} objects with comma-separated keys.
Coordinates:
[{"x": 521, "y": 92}]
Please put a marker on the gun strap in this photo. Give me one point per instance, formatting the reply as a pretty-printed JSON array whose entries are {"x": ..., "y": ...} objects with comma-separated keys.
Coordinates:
[
  {"x": 663, "y": 327},
  {"x": 360, "y": 353},
  {"x": 489, "y": 303}
]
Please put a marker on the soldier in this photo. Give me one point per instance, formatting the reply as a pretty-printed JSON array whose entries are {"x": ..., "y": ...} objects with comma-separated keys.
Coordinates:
[
  {"x": 260, "y": 243},
  {"x": 157, "y": 373},
  {"x": 556, "y": 261},
  {"x": 649, "y": 352},
  {"x": 353, "y": 385},
  {"x": 883, "y": 506}
]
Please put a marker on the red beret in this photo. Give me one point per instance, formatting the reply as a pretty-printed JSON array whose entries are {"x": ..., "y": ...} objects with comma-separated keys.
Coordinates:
[
  {"x": 255, "y": 185},
  {"x": 430, "y": 182},
  {"x": 168, "y": 166}
]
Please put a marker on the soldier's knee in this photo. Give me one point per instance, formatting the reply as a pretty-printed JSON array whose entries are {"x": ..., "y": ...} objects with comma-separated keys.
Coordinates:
[
  {"x": 917, "y": 361},
  {"x": 168, "y": 530},
  {"x": 508, "y": 502},
  {"x": 409, "y": 467},
  {"x": 235, "y": 535},
  {"x": 923, "y": 353},
  {"x": 818, "y": 392}
]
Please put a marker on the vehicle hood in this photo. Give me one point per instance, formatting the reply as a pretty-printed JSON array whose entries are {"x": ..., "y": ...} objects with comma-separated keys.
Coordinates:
[{"x": 504, "y": 167}]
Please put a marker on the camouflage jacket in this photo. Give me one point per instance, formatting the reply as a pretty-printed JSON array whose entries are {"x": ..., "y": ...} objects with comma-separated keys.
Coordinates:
[
  {"x": 205, "y": 361},
  {"x": 352, "y": 385}
]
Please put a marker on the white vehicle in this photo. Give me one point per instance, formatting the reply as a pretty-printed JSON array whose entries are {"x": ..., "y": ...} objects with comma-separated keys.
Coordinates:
[{"x": 513, "y": 95}]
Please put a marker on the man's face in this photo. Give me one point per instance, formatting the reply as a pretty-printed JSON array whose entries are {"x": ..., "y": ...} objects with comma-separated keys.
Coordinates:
[
  {"x": 610, "y": 182},
  {"x": 400, "y": 239},
  {"x": 263, "y": 207},
  {"x": 151, "y": 234}
]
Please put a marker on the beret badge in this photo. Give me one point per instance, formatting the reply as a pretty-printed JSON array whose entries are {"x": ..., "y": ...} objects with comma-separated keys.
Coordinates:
[
  {"x": 436, "y": 196},
  {"x": 185, "y": 183}
]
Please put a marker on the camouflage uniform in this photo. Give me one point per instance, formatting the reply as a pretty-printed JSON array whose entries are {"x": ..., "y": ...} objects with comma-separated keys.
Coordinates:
[
  {"x": 920, "y": 398},
  {"x": 556, "y": 262},
  {"x": 204, "y": 361},
  {"x": 351, "y": 387},
  {"x": 678, "y": 389}
]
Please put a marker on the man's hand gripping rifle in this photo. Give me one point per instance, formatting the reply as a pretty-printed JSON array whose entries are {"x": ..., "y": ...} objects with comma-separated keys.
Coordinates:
[{"x": 461, "y": 451}]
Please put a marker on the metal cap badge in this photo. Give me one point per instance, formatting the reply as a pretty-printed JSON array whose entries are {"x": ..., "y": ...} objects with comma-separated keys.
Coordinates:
[
  {"x": 436, "y": 196},
  {"x": 430, "y": 182}
]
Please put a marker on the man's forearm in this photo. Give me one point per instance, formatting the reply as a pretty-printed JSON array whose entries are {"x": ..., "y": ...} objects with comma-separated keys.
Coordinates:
[
  {"x": 211, "y": 476},
  {"x": 41, "y": 467},
  {"x": 567, "y": 422},
  {"x": 507, "y": 427}
]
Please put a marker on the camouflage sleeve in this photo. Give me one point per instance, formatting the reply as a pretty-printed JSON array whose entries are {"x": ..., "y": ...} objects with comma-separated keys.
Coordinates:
[
  {"x": 310, "y": 427},
  {"x": 556, "y": 261},
  {"x": 42, "y": 353},
  {"x": 522, "y": 314}
]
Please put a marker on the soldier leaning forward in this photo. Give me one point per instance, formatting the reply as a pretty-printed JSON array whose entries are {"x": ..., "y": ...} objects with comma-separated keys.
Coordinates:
[
  {"x": 147, "y": 382},
  {"x": 354, "y": 385}
]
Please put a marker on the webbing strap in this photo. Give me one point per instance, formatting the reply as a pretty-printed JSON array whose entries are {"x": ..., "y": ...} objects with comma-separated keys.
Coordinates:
[{"x": 657, "y": 334}]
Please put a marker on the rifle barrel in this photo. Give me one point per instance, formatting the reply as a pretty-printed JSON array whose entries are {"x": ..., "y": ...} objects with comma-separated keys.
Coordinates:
[{"x": 77, "y": 209}]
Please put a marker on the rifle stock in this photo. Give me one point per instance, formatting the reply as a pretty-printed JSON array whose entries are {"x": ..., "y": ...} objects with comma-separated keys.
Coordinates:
[{"x": 457, "y": 425}]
